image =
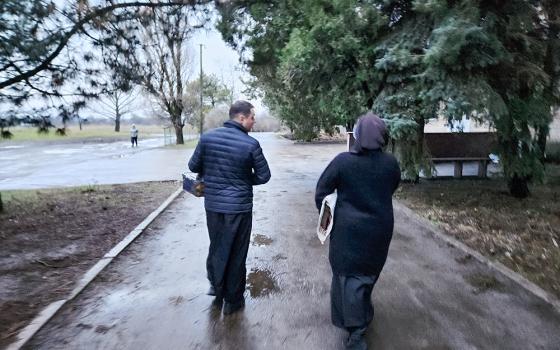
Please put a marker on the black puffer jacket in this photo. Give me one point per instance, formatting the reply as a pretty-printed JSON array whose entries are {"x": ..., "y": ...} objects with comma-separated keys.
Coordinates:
[
  {"x": 231, "y": 162},
  {"x": 363, "y": 216}
]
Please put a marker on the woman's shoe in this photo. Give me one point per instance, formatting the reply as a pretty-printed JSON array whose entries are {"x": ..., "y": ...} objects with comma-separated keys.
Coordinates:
[
  {"x": 356, "y": 340},
  {"x": 230, "y": 308}
]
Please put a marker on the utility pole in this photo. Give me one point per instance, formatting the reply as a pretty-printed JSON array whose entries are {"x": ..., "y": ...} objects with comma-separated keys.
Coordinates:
[
  {"x": 232, "y": 86},
  {"x": 201, "y": 85}
]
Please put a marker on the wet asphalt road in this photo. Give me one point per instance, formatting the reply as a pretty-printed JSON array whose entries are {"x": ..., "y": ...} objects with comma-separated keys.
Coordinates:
[
  {"x": 31, "y": 165},
  {"x": 38, "y": 165},
  {"x": 153, "y": 295}
]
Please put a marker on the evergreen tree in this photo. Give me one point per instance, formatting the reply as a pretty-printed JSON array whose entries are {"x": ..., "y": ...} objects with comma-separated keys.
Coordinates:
[
  {"x": 319, "y": 62},
  {"x": 498, "y": 59}
]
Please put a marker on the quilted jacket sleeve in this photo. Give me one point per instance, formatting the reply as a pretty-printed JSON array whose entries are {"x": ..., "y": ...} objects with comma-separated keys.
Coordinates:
[
  {"x": 261, "y": 171},
  {"x": 195, "y": 163}
]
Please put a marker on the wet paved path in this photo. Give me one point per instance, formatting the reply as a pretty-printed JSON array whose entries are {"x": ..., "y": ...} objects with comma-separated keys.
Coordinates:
[
  {"x": 35, "y": 165},
  {"x": 429, "y": 295}
]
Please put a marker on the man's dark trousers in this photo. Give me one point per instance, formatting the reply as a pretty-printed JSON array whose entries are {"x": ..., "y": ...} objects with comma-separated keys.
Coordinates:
[{"x": 229, "y": 242}]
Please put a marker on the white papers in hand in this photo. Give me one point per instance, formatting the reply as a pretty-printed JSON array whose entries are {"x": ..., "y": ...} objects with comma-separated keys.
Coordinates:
[{"x": 326, "y": 216}]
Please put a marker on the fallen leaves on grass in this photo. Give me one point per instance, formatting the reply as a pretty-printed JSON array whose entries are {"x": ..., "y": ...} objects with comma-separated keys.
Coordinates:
[{"x": 522, "y": 234}]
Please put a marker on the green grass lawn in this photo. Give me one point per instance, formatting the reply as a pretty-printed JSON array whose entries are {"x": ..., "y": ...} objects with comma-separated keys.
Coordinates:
[{"x": 29, "y": 133}]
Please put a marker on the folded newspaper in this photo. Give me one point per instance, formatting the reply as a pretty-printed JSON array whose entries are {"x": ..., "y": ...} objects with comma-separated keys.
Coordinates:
[
  {"x": 193, "y": 184},
  {"x": 326, "y": 216}
]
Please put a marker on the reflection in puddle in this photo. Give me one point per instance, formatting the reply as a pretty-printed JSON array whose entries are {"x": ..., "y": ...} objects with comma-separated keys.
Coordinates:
[
  {"x": 279, "y": 257},
  {"x": 261, "y": 283},
  {"x": 261, "y": 240}
]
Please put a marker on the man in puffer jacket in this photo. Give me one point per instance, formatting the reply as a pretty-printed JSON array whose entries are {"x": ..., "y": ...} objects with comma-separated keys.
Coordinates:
[{"x": 231, "y": 163}]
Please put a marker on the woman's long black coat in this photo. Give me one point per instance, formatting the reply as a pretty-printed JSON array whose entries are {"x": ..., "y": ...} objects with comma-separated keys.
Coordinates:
[{"x": 363, "y": 217}]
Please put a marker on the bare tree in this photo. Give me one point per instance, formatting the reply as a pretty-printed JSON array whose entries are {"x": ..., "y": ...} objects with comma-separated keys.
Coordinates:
[
  {"x": 115, "y": 105},
  {"x": 216, "y": 117},
  {"x": 166, "y": 61},
  {"x": 38, "y": 59}
]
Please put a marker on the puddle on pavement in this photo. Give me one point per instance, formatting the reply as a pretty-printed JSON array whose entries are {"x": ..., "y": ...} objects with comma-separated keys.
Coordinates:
[
  {"x": 84, "y": 325},
  {"x": 178, "y": 300},
  {"x": 400, "y": 237},
  {"x": 261, "y": 283},
  {"x": 261, "y": 240},
  {"x": 464, "y": 259},
  {"x": 103, "y": 329},
  {"x": 279, "y": 257},
  {"x": 483, "y": 283}
]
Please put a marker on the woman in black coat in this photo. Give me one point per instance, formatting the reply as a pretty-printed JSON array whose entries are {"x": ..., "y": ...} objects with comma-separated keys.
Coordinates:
[{"x": 364, "y": 179}]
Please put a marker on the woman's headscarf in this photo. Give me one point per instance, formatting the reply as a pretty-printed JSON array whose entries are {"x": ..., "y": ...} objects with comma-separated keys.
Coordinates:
[{"x": 370, "y": 133}]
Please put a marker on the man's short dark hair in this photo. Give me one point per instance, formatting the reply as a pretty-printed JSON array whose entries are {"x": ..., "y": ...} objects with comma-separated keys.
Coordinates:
[{"x": 240, "y": 107}]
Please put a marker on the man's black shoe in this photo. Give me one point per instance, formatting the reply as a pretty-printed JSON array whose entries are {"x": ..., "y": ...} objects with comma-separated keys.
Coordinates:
[
  {"x": 211, "y": 291},
  {"x": 217, "y": 302},
  {"x": 230, "y": 308}
]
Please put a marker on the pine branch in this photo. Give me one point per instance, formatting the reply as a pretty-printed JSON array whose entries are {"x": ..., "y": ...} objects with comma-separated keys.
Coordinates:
[{"x": 77, "y": 27}]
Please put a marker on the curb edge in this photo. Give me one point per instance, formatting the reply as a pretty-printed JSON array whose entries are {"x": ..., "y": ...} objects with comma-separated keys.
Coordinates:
[
  {"x": 496, "y": 265},
  {"x": 50, "y": 310}
]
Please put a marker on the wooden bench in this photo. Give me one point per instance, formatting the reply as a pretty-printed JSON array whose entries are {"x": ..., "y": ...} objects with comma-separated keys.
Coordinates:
[
  {"x": 457, "y": 148},
  {"x": 460, "y": 147}
]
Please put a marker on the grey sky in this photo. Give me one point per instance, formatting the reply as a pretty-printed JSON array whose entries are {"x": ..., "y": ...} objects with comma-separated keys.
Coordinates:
[
  {"x": 217, "y": 58},
  {"x": 220, "y": 60}
]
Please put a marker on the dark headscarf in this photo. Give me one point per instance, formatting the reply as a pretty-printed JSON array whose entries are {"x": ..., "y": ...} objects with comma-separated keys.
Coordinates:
[{"x": 370, "y": 133}]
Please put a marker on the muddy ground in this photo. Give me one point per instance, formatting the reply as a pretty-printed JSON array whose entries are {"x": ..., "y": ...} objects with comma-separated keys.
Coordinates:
[
  {"x": 523, "y": 234},
  {"x": 51, "y": 237}
]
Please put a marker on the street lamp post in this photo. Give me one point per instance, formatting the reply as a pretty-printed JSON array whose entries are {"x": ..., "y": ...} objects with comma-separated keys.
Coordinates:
[{"x": 201, "y": 86}]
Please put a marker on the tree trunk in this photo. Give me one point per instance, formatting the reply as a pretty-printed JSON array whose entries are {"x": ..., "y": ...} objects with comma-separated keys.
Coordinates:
[
  {"x": 1, "y": 203},
  {"x": 518, "y": 187},
  {"x": 541, "y": 142},
  {"x": 80, "y": 123},
  {"x": 118, "y": 122},
  {"x": 419, "y": 143},
  {"x": 420, "y": 135},
  {"x": 179, "y": 134}
]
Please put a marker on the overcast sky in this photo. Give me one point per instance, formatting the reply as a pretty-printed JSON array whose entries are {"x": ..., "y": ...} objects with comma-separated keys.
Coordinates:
[{"x": 221, "y": 60}]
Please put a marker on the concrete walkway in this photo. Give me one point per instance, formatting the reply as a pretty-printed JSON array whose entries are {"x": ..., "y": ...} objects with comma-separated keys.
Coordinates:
[
  {"x": 36, "y": 165},
  {"x": 430, "y": 295}
]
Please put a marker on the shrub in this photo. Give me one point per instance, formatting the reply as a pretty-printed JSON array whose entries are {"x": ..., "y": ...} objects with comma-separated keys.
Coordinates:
[
  {"x": 553, "y": 152},
  {"x": 6, "y": 134}
]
